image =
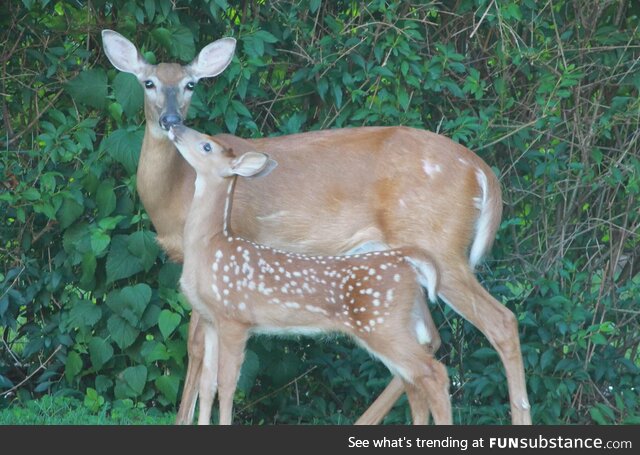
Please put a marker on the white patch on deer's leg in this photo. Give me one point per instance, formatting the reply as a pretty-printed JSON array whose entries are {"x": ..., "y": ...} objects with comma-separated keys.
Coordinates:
[
  {"x": 427, "y": 276},
  {"x": 524, "y": 404},
  {"x": 430, "y": 169},
  {"x": 424, "y": 337}
]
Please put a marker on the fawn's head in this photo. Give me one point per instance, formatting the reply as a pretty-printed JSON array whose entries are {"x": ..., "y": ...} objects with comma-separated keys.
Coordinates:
[
  {"x": 167, "y": 86},
  {"x": 213, "y": 161}
]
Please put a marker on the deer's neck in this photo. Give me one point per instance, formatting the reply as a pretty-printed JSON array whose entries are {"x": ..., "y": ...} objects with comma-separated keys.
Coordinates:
[{"x": 165, "y": 185}]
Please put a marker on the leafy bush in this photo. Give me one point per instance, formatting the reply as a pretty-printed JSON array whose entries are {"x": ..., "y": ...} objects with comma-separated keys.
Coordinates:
[{"x": 547, "y": 93}]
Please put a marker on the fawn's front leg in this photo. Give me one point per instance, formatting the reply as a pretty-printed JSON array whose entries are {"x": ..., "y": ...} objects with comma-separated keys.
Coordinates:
[
  {"x": 208, "y": 373},
  {"x": 233, "y": 339}
]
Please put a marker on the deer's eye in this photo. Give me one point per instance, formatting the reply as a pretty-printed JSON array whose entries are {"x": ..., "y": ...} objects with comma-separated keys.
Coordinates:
[
  {"x": 206, "y": 147},
  {"x": 149, "y": 84},
  {"x": 190, "y": 86}
]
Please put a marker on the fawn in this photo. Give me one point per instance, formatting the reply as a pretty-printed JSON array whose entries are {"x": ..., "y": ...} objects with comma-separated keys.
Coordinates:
[{"x": 241, "y": 287}]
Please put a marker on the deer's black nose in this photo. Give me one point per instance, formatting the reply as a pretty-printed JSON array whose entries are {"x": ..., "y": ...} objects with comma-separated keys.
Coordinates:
[{"x": 169, "y": 120}]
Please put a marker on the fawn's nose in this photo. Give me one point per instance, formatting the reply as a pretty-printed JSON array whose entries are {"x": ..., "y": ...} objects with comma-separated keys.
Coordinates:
[{"x": 169, "y": 120}]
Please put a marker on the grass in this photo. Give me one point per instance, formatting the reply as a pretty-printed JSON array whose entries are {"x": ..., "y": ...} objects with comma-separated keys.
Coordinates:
[{"x": 52, "y": 410}]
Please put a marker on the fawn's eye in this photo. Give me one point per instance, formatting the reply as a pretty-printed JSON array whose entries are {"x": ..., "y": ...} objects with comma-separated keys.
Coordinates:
[
  {"x": 190, "y": 86},
  {"x": 149, "y": 84},
  {"x": 206, "y": 147}
]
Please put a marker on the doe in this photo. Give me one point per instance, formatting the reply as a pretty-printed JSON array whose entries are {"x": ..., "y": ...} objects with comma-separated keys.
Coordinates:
[{"x": 241, "y": 287}]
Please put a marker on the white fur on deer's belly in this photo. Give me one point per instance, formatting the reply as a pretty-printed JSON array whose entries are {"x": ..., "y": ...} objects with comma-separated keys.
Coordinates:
[{"x": 288, "y": 331}]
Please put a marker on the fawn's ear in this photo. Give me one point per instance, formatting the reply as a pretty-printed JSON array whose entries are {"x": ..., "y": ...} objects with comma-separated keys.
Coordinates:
[{"x": 251, "y": 164}]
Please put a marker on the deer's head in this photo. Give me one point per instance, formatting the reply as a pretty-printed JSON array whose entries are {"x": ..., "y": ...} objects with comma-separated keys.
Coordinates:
[{"x": 167, "y": 86}]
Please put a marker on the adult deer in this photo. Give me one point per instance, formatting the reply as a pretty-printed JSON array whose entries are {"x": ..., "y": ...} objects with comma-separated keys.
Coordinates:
[
  {"x": 241, "y": 287},
  {"x": 333, "y": 191}
]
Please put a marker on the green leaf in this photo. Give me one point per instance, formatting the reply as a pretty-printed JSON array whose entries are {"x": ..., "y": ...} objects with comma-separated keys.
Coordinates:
[
  {"x": 249, "y": 372},
  {"x": 231, "y": 120},
  {"x": 265, "y": 36},
  {"x": 100, "y": 352},
  {"x": 484, "y": 353},
  {"x": 99, "y": 241},
  {"x": 150, "y": 8},
  {"x": 124, "y": 146},
  {"x": 31, "y": 194},
  {"x": 598, "y": 338},
  {"x": 123, "y": 333},
  {"x": 162, "y": 36},
  {"x": 322, "y": 86},
  {"x": 128, "y": 92},
  {"x": 73, "y": 366},
  {"x": 168, "y": 386},
  {"x": 130, "y": 302},
  {"x": 314, "y": 5},
  {"x": 120, "y": 262},
  {"x": 143, "y": 245},
  {"x": 337, "y": 95},
  {"x": 240, "y": 108},
  {"x": 167, "y": 322},
  {"x": 546, "y": 359},
  {"x": 89, "y": 88},
  {"x": 105, "y": 198},
  {"x": 178, "y": 41},
  {"x": 69, "y": 211},
  {"x": 152, "y": 351},
  {"x": 131, "y": 382},
  {"x": 597, "y": 416},
  {"x": 92, "y": 400},
  {"x": 169, "y": 275},
  {"x": 135, "y": 378},
  {"x": 109, "y": 223},
  {"x": 85, "y": 313},
  {"x": 403, "y": 99}
]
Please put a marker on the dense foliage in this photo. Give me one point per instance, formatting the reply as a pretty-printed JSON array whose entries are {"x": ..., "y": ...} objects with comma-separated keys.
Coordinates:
[{"x": 546, "y": 92}]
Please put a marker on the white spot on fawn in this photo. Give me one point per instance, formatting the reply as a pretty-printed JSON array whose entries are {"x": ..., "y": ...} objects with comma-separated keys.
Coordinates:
[
  {"x": 315, "y": 309},
  {"x": 430, "y": 169}
]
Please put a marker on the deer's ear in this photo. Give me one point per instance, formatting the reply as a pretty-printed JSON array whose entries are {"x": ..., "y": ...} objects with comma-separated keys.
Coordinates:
[
  {"x": 251, "y": 164},
  {"x": 213, "y": 58},
  {"x": 123, "y": 54},
  {"x": 270, "y": 165}
]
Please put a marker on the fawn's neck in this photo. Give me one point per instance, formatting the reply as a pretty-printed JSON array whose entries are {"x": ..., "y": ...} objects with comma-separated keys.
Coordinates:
[{"x": 208, "y": 218}]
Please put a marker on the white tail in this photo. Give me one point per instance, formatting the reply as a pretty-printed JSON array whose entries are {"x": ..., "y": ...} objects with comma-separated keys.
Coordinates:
[
  {"x": 239, "y": 287},
  {"x": 334, "y": 191}
]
